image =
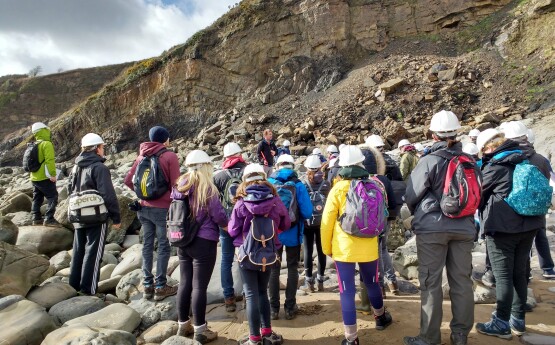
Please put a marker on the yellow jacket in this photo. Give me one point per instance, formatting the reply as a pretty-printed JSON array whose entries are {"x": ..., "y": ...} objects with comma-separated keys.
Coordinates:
[{"x": 336, "y": 242}]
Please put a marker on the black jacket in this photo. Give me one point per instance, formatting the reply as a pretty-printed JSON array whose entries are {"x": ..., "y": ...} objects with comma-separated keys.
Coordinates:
[
  {"x": 423, "y": 195},
  {"x": 374, "y": 163},
  {"x": 392, "y": 170},
  {"x": 263, "y": 152},
  {"x": 95, "y": 175},
  {"x": 221, "y": 177},
  {"x": 496, "y": 215}
]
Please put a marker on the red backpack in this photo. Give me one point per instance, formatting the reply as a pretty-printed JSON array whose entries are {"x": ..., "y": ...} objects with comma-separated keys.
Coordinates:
[{"x": 462, "y": 189}]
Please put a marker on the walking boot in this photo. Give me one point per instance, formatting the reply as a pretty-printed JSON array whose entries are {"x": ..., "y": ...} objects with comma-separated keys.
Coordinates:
[{"x": 364, "y": 306}]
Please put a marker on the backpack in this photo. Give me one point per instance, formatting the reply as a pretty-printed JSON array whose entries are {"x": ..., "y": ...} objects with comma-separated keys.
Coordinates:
[
  {"x": 318, "y": 200},
  {"x": 366, "y": 209},
  {"x": 531, "y": 192},
  {"x": 462, "y": 189},
  {"x": 287, "y": 192},
  {"x": 31, "y": 161},
  {"x": 180, "y": 227},
  {"x": 230, "y": 189},
  {"x": 85, "y": 207},
  {"x": 149, "y": 182},
  {"x": 399, "y": 190},
  {"x": 258, "y": 251}
]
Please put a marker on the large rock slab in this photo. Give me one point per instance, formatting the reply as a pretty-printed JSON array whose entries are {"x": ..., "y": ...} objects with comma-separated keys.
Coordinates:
[
  {"x": 47, "y": 240},
  {"x": 21, "y": 218},
  {"x": 116, "y": 316},
  {"x": 159, "y": 332},
  {"x": 405, "y": 260},
  {"x": 537, "y": 339},
  {"x": 25, "y": 323},
  {"x": 152, "y": 312},
  {"x": 75, "y": 307},
  {"x": 81, "y": 334},
  {"x": 50, "y": 294},
  {"x": 16, "y": 202},
  {"x": 127, "y": 217},
  {"x": 8, "y": 231},
  {"x": 20, "y": 270}
]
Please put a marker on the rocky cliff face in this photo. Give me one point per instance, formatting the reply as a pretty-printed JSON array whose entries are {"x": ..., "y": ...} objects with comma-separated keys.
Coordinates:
[{"x": 258, "y": 53}]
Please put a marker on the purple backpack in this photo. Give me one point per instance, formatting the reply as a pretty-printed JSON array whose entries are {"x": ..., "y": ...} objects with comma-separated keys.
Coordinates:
[{"x": 366, "y": 209}]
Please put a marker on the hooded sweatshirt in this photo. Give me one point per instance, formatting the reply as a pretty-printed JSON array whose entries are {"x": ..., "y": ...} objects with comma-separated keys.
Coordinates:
[
  {"x": 259, "y": 202},
  {"x": 170, "y": 167},
  {"x": 46, "y": 156},
  {"x": 95, "y": 175}
]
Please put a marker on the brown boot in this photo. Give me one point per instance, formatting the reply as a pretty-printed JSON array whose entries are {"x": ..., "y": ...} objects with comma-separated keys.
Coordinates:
[
  {"x": 203, "y": 335},
  {"x": 165, "y": 291},
  {"x": 230, "y": 305},
  {"x": 393, "y": 288}
]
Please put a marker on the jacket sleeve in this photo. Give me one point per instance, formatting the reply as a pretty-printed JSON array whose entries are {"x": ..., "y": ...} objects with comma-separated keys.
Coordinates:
[
  {"x": 284, "y": 221},
  {"x": 236, "y": 222},
  {"x": 217, "y": 212},
  {"x": 329, "y": 217},
  {"x": 490, "y": 177},
  {"x": 128, "y": 181},
  {"x": 103, "y": 179},
  {"x": 303, "y": 199},
  {"x": 259, "y": 153},
  {"x": 49, "y": 157},
  {"x": 417, "y": 186}
]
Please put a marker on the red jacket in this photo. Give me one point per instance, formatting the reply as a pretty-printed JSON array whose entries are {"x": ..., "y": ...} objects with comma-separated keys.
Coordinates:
[{"x": 170, "y": 168}]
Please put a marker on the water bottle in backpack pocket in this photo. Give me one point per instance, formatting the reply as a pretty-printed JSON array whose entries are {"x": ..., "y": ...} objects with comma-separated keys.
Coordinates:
[
  {"x": 366, "y": 208},
  {"x": 181, "y": 228},
  {"x": 287, "y": 192},
  {"x": 258, "y": 251},
  {"x": 531, "y": 193},
  {"x": 149, "y": 182}
]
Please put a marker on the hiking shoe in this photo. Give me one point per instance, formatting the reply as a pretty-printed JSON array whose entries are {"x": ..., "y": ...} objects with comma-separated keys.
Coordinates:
[
  {"x": 185, "y": 329},
  {"x": 383, "y": 320},
  {"x": 272, "y": 339},
  {"x": 308, "y": 286},
  {"x": 205, "y": 336},
  {"x": 38, "y": 221},
  {"x": 518, "y": 326},
  {"x": 230, "y": 305},
  {"x": 149, "y": 292},
  {"x": 549, "y": 274},
  {"x": 164, "y": 291},
  {"x": 488, "y": 279},
  {"x": 51, "y": 223},
  {"x": 274, "y": 314},
  {"x": 495, "y": 327},
  {"x": 458, "y": 339},
  {"x": 415, "y": 341},
  {"x": 248, "y": 341},
  {"x": 346, "y": 342},
  {"x": 290, "y": 313},
  {"x": 393, "y": 288}
]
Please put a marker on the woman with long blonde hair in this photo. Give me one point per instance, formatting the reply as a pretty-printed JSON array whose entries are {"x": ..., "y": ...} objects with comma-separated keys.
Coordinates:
[{"x": 197, "y": 260}]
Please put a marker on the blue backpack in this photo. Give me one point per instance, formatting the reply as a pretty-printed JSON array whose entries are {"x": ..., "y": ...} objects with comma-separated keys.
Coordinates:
[
  {"x": 287, "y": 192},
  {"x": 258, "y": 251},
  {"x": 531, "y": 192}
]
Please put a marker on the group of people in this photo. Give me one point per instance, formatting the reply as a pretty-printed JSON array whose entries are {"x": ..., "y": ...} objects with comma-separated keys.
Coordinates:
[{"x": 259, "y": 210}]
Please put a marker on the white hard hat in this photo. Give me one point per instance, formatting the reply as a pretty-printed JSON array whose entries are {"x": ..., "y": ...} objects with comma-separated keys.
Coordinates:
[
  {"x": 531, "y": 136},
  {"x": 231, "y": 149},
  {"x": 471, "y": 149},
  {"x": 253, "y": 172},
  {"x": 197, "y": 157},
  {"x": 341, "y": 147},
  {"x": 445, "y": 123},
  {"x": 350, "y": 155},
  {"x": 332, "y": 149},
  {"x": 286, "y": 143},
  {"x": 312, "y": 162},
  {"x": 419, "y": 147},
  {"x": 515, "y": 129},
  {"x": 474, "y": 133},
  {"x": 91, "y": 139},
  {"x": 403, "y": 143},
  {"x": 374, "y": 140},
  {"x": 485, "y": 137},
  {"x": 285, "y": 160},
  {"x": 316, "y": 151},
  {"x": 37, "y": 126}
]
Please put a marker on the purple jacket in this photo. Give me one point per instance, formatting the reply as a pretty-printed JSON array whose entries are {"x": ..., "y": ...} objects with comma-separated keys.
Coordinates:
[
  {"x": 259, "y": 201},
  {"x": 210, "y": 217}
]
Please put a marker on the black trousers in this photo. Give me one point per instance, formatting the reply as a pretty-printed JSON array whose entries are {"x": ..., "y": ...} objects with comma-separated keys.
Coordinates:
[
  {"x": 44, "y": 189},
  {"x": 88, "y": 249}
]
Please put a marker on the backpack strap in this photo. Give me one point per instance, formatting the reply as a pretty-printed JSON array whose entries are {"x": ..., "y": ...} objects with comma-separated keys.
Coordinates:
[{"x": 443, "y": 154}]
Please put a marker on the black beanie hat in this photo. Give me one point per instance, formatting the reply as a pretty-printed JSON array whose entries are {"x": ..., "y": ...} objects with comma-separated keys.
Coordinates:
[{"x": 158, "y": 134}]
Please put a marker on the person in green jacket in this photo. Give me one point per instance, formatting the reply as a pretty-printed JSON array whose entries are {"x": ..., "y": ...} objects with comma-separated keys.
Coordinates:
[
  {"x": 44, "y": 179},
  {"x": 409, "y": 159}
]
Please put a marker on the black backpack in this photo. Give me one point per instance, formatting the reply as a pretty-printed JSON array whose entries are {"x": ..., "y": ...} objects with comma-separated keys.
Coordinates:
[
  {"x": 31, "y": 161},
  {"x": 318, "y": 200},
  {"x": 230, "y": 190},
  {"x": 149, "y": 181},
  {"x": 181, "y": 228}
]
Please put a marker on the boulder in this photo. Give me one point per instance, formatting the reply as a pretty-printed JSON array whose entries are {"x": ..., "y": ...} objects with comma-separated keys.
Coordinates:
[
  {"x": 130, "y": 285},
  {"x": 60, "y": 261},
  {"x": 81, "y": 334},
  {"x": 16, "y": 202},
  {"x": 109, "y": 284},
  {"x": 116, "y": 316},
  {"x": 50, "y": 294},
  {"x": 128, "y": 264},
  {"x": 75, "y": 307},
  {"x": 390, "y": 86},
  {"x": 109, "y": 259},
  {"x": 8, "y": 231},
  {"x": 177, "y": 340},
  {"x": 20, "y": 270},
  {"x": 25, "y": 323},
  {"x": 106, "y": 271},
  {"x": 487, "y": 118},
  {"x": 47, "y": 240},
  {"x": 61, "y": 214},
  {"x": 153, "y": 312},
  {"x": 127, "y": 217},
  {"x": 484, "y": 294},
  {"x": 405, "y": 260},
  {"x": 391, "y": 130},
  {"x": 130, "y": 240},
  {"x": 537, "y": 339},
  {"x": 447, "y": 75},
  {"x": 159, "y": 332},
  {"x": 21, "y": 218}
]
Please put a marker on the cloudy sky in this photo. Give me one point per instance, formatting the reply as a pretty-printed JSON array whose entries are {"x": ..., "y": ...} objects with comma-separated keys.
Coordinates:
[{"x": 68, "y": 34}]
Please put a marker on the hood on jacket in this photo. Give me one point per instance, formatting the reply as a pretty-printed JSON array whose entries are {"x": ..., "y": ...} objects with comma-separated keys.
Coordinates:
[
  {"x": 526, "y": 148},
  {"x": 508, "y": 152},
  {"x": 150, "y": 148},
  {"x": 374, "y": 161},
  {"x": 284, "y": 175},
  {"x": 318, "y": 178},
  {"x": 438, "y": 145},
  {"x": 353, "y": 172},
  {"x": 87, "y": 158},
  {"x": 43, "y": 134},
  {"x": 259, "y": 200}
]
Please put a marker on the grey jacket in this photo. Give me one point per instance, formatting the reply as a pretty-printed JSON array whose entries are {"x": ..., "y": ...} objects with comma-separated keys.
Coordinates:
[{"x": 423, "y": 195}]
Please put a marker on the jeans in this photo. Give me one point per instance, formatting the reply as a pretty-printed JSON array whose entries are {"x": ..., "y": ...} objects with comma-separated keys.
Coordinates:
[
  {"x": 196, "y": 263},
  {"x": 228, "y": 256},
  {"x": 255, "y": 286},
  {"x": 153, "y": 221},
  {"x": 544, "y": 252},
  {"x": 508, "y": 254},
  {"x": 454, "y": 252},
  {"x": 44, "y": 189},
  {"x": 386, "y": 264},
  {"x": 311, "y": 235},
  {"x": 293, "y": 255}
]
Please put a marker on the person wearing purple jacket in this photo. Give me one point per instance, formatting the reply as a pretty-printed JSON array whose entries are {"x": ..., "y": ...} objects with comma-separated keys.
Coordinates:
[
  {"x": 256, "y": 196},
  {"x": 197, "y": 260}
]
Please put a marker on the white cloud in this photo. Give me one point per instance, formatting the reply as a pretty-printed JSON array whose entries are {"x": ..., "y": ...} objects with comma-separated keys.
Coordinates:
[{"x": 72, "y": 34}]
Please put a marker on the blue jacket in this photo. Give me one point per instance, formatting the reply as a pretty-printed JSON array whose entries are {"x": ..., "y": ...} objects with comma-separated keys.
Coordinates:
[
  {"x": 294, "y": 236},
  {"x": 283, "y": 150}
]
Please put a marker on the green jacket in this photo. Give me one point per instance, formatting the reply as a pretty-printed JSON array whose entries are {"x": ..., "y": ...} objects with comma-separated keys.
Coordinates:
[
  {"x": 408, "y": 163},
  {"x": 46, "y": 156}
]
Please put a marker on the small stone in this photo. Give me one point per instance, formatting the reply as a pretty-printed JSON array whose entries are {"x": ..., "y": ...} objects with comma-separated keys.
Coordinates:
[{"x": 537, "y": 339}]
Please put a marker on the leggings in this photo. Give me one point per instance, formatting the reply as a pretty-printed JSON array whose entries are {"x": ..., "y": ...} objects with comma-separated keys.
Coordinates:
[
  {"x": 196, "y": 263},
  {"x": 347, "y": 289},
  {"x": 312, "y": 235}
]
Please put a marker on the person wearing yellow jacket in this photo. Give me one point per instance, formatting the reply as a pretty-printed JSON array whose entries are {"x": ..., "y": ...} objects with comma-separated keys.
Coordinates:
[{"x": 347, "y": 250}]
